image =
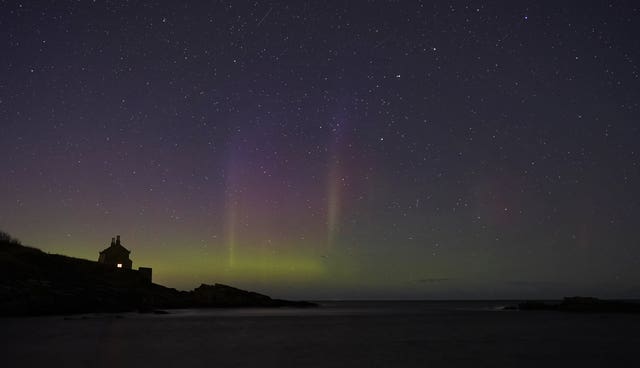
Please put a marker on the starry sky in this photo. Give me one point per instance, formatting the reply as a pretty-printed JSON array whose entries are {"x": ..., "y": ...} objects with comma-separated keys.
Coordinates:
[{"x": 330, "y": 149}]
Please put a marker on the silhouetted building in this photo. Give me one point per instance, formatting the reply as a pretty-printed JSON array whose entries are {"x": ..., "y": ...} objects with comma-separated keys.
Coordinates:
[
  {"x": 116, "y": 255},
  {"x": 145, "y": 272}
]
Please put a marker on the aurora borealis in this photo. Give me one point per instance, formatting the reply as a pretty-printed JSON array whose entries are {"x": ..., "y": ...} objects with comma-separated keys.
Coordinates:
[{"x": 326, "y": 149}]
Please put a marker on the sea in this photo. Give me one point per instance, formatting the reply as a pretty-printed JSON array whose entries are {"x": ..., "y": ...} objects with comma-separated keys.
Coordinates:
[{"x": 337, "y": 334}]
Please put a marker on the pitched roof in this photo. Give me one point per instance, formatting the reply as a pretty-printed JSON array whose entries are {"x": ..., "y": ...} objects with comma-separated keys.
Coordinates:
[{"x": 115, "y": 247}]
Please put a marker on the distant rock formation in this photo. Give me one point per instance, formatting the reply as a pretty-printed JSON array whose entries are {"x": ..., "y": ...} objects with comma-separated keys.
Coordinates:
[
  {"x": 36, "y": 283},
  {"x": 219, "y": 295},
  {"x": 580, "y": 304}
]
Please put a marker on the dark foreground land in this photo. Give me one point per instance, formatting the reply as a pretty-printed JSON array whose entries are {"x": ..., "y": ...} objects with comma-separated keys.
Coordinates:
[
  {"x": 338, "y": 335},
  {"x": 36, "y": 283}
]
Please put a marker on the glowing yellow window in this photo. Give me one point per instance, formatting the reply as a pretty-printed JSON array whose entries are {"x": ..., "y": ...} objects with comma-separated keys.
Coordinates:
[{"x": 119, "y": 265}]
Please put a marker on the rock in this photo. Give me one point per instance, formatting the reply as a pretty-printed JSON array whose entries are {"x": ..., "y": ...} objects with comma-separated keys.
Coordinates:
[
  {"x": 594, "y": 305},
  {"x": 219, "y": 295},
  {"x": 579, "y": 304}
]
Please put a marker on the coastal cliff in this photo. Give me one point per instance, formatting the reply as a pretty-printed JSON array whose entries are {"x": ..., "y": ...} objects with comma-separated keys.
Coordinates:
[{"x": 33, "y": 282}]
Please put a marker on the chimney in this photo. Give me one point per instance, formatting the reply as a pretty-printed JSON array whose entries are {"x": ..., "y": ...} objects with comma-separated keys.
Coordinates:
[
  {"x": 113, "y": 241},
  {"x": 118, "y": 239}
]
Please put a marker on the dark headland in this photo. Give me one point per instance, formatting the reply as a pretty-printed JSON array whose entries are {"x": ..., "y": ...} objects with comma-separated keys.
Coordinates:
[{"x": 33, "y": 282}]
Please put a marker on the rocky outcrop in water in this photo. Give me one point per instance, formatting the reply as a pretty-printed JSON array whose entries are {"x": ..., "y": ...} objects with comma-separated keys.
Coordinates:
[
  {"x": 219, "y": 295},
  {"x": 583, "y": 305}
]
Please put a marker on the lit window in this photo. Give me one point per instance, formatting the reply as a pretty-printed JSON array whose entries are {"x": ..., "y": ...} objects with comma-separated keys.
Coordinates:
[{"x": 119, "y": 265}]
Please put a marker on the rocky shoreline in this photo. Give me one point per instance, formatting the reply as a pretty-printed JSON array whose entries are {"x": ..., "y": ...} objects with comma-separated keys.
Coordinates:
[
  {"x": 36, "y": 283},
  {"x": 578, "y": 304}
]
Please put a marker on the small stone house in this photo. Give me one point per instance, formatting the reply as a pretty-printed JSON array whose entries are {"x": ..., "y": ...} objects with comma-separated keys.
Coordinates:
[{"x": 116, "y": 255}]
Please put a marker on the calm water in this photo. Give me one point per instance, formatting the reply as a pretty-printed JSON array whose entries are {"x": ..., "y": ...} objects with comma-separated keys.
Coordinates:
[{"x": 340, "y": 334}]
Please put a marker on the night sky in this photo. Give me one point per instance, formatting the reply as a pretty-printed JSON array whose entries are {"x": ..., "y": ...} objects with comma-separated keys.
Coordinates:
[{"x": 330, "y": 149}]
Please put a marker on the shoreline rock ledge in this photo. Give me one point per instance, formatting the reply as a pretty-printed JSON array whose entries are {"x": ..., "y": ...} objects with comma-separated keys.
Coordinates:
[
  {"x": 580, "y": 304},
  {"x": 33, "y": 282}
]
